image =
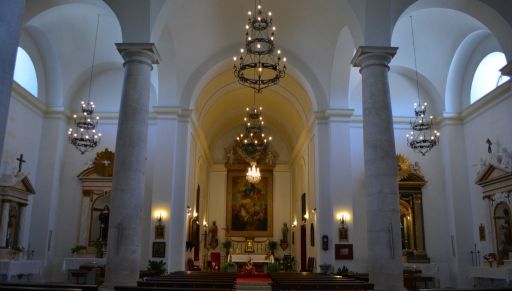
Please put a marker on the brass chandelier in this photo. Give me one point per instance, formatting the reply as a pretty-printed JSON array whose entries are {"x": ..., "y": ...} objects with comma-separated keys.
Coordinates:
[
  {"x": 260, "y": 65},
  {"x": 84, "y": 135},
  {"x": 422, "y": 137}
]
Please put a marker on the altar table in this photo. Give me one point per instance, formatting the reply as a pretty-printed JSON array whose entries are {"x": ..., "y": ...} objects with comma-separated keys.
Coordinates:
[
  {"x": 503, "y": 273},
  {"x": 75, "y": 263},
  {"x": 254, "y": 258},
  {"x": 22, "y": 267}
]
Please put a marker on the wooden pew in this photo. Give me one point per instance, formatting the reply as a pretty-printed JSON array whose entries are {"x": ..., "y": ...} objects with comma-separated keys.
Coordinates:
[
  {"x": 315, "y": 281},
  {"x": 46, "y": 286},
  {"x": 468, "y": 289},
  {"x": 36, "y": 288},
  {"x": 137, "y": 288}
]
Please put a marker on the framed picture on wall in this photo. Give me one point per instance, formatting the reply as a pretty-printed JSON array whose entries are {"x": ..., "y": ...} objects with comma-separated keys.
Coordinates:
[
  {"x": 343, "y": 252},
  {"x": 158, "y": 249},
  {"x": 249, "y": 206}
]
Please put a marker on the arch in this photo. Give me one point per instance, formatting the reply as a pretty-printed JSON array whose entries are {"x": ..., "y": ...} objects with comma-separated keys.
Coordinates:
[
  {"x": 25, "y": 72},
  {"x": 51, "y": 24},
  {"x": 481, "y": 12},
  {"x": 341, "y": 69}
]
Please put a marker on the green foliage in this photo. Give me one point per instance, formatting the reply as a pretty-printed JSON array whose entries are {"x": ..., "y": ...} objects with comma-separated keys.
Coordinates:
[
  {"x": 99, "y": 249},
  {"x": 272, "y": 245},
  {"x": 77, "y": 248},
  {"x": 228, "y": 267},
  {"x": 157, "y": 266},
  {"x": 226, "y": 244},
  {"x": 342, "y": 271},
  {"x": 273, "y": 268}
]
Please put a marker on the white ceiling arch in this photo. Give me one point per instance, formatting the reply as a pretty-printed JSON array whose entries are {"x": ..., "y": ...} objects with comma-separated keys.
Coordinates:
[{"x": 64, "y": 35}]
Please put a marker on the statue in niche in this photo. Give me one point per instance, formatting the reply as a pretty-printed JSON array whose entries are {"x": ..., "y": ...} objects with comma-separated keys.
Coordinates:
[
  {"x": 284, "y": 232},
  {"x": 213, "y": 241},
  {"x": 104, "y": 217}
]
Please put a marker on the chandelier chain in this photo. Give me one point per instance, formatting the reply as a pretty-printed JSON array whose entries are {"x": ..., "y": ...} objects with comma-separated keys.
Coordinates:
[
  {"x": 93, "y": 56},
  {"x": 415, "y": 62}
]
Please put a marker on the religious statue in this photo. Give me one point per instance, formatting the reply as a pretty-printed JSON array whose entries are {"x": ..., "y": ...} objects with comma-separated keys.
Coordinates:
[
  {"x": 104, "y": 217},
  {"x": 230, "y": 156},
  {"x": 284, "y": 232},
  {"x": 213, "y": 241}
]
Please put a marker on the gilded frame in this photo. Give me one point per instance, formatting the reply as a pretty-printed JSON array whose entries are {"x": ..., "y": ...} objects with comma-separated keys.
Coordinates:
[{"x": 243, "y": 200}]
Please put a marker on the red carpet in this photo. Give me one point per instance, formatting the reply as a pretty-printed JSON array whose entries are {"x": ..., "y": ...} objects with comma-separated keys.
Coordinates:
[{"x": 258, "y": 277}]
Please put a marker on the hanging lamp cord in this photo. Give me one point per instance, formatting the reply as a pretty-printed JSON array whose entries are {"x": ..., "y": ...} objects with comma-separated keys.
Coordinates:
[
  {"x": 415, "y": 63},
  {"x": 93, "y": 57}
]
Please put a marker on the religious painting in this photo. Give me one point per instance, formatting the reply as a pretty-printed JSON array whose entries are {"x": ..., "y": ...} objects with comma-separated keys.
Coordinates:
[
  {"x": 158, "y": 249},
  {"x": 343, "y": 252},
  {"x": 159, "y": 231},
  {"x": 249, "y": 206}
]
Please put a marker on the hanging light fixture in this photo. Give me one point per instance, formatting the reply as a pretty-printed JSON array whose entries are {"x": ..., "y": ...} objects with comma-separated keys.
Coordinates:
[
  {"x": 260, "y": 65},
  {"x": 84, "y": 135},
  {"x": 423, "y": 137},
  {"x": 253, "y": 174},
  {"x": 253, "y": 141}
]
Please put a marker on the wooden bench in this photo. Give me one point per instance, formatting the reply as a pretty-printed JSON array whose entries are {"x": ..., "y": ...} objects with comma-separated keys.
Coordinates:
[
  {"x": 470, "y": 289},
  {"x": 46, "y": 286},
  {"x": 137, "y": 288},
  {"x": 35, "y": 288},
  {"x": 315, "y": 281}
]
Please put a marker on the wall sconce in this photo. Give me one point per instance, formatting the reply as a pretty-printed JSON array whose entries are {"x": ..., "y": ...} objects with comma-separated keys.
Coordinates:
[
  {"x": 294, "y": 226},
  {"x": 160, "y": 227},
  {"x": 343, "y": 228}
]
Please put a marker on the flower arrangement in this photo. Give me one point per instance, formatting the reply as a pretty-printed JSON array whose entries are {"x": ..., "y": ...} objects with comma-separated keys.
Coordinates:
[{"x": 490, "y": 258}]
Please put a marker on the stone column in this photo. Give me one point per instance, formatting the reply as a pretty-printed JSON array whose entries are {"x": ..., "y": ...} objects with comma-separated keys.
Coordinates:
[
  {"x": 3, "y": 223},
  {"x": 124, "y": 236},
  {"x": 383, "y": 211},
  {"x": 11, "y": 13},
  {"x": 22, "y": 238}
]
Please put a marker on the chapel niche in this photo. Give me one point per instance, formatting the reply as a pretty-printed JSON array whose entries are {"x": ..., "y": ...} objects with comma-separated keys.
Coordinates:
[
  {"x": 15, "y": 191},
  {"x": 96, "y": 192},
  {"x": 410, "y": 184},
  {"x": 496, "y": 181}
]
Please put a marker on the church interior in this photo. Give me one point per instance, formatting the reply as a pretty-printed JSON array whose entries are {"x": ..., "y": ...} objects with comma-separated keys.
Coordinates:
[{"x": 325, "y": 174}]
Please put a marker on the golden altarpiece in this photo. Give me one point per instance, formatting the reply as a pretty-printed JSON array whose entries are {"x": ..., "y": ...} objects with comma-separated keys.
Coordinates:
[
  {"x": 496, "y": 182},
  {"x": 96, "y": 183},
  {"x": 410, "y": 184}
]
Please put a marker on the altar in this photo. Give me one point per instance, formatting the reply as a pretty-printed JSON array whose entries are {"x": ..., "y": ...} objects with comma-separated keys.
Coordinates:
[
  {"x": 11, "y": 268},
  {"x": 260, "y": 262},
  {"x": 498, "y": 276}
]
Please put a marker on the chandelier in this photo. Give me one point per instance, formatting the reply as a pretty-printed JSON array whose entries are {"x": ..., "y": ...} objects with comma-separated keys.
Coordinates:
[
  {"x": 253, "y": 175},
  {"x": 253, "y": 140},
  {"x": 84, "y": 135},
  {"x": 423, "y": 137},
  {"x": 259, "y": 65}
]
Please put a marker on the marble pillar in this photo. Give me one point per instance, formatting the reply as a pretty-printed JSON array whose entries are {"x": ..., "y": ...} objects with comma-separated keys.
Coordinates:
[
  {"x": 124, "y": 236},
  {"x": 22, "y": 237},
  {"x": 11, "y": 13},
  {"x": 383, "y": 211},
  {"x": 3, "y": 223}
]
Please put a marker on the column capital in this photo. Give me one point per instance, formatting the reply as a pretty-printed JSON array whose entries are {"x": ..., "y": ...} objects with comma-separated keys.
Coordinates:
[
  {"x": 145, "y": 53},
  {"x": 373, "y": 56}
]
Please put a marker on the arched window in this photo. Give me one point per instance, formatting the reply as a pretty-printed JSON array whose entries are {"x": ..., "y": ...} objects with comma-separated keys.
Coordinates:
[
  {"x": 25, "y": 72},
  {"x": 487, "y": 75}
]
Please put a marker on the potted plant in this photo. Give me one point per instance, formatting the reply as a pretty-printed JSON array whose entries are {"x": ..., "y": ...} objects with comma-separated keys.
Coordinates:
[
  {"x": 77, "y": 249},
  {"x": 226, "y": 245},
  {"x": 99, "y": 248},
  {"x": 156, "y": 267},
  {"x": 272, "y": 246}
]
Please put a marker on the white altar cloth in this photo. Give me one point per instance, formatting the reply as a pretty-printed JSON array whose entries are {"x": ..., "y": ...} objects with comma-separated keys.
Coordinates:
[
  {"x": 254, "y": 258},
  {"x": 12, "y": 268},
  {"x": 75, "y": 263},
  {"x": 491, "y": 273}
]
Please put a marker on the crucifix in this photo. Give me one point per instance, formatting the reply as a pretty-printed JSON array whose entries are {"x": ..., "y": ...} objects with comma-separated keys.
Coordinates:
[{"x": 21, "y": 161}]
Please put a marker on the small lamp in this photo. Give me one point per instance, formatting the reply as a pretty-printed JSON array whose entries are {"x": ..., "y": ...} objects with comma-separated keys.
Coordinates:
[{"x": 160, "y": 227}]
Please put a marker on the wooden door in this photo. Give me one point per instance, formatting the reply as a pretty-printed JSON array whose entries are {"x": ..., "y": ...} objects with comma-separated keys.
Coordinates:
[{"x": 303, "y": 246}]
